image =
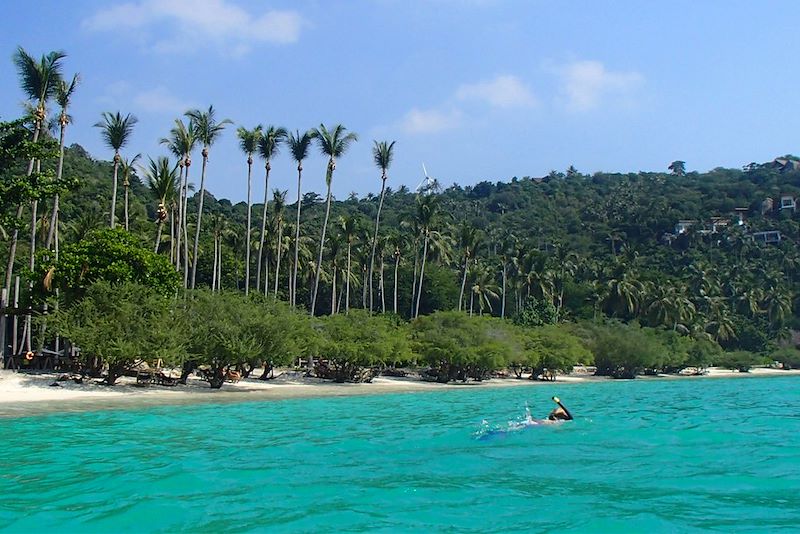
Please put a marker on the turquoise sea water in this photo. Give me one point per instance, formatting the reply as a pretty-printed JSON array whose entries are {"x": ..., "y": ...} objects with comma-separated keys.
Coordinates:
[{"x": 641, "y": 456}]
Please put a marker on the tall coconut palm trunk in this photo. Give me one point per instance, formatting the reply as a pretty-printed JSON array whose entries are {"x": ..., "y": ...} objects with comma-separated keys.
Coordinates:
[
  {"x": 347, "y": 280},
  {"x": 125, "y": 210},
  {"x": 396, "y": 268},
  {"x": 382, "y": 287},
  {"x": 179, "y": 225},
  {"x": 264, "y": 234},
  {"x": 503, "y": 303},
  {"x": 421, "y": 274},
  {"x": 375, "y": 239},
  {"x": 199, "y": 217},
  {"x": 59, "y": 173},
  {"x": 296, "y": 238},
  {"x": 214, "y": 269},
  {"x": 114, "y": 190},
  {"x": 277, "y": 259},
  {"x": 158, "y": 235},
  {"x": 463, "y": 282},
  {"x": 328, "y": 180},
  {"x": 249, "y": 220},
  {"x": 333, "y": 289},
  {"x": 186, "y": 224}
]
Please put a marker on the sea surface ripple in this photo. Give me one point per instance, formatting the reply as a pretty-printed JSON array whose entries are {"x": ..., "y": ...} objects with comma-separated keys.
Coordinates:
[{"x": 642, "y": 456}]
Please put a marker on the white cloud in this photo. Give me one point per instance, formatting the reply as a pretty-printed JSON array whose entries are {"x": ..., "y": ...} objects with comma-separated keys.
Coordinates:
[
  {"x": 430, "y": 121},
  {"x": 587, "y": 83},
  {"x": 182, "y": 25},
  {"x": 160, "y": 100},
  {"x": 502, "y": 92}
]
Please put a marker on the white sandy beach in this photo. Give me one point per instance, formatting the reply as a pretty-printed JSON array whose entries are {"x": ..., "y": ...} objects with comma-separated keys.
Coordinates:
[{"x": 33, "y": 393}]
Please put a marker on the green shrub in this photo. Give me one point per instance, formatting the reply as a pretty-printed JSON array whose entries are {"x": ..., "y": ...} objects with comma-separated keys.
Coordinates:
[
  {"x": 623, "y": 351},
  {"x": 788, "y": 356},
  {"x": 459, "y": 347},
  {"x": 740, "y": 360},
  {"x": 354, "y": 342},
  {"x": 121, "y": 325}
]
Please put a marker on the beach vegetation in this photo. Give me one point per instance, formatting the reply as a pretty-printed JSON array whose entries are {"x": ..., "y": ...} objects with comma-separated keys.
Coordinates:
[
  {"x": 229, "y": 331},
  {"x": 119, "y": 327},
  {"x": 355, "y": 346},
  {"x": 789, "y": 357},
  {"x": 457, "y": 347},
  {"x": 741, "y": 360},
  {"x": 106, "y": 255}
]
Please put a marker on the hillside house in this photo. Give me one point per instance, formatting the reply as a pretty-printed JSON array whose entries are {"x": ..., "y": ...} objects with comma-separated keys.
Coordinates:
[
  {"x": 740, "y": 215},
  {"x": 768, "y": 237},
  {"x": 788, "y": 202},
  {"x": 681, "y": 227}
]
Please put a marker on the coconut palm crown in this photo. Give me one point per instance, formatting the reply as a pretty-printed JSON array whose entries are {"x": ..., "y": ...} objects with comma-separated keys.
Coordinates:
[
  {"x": 298, "y": 146},
  {"x": 382, "y": 153},
  {"x": 268, "y": 147},
  {"x": 332, "y": 143},
  {"x": 38, "y": 79},
  {"x": 206, "y": 130},
  {"x": 248, "y": 142},
  {"x": 116, "y": 130}
]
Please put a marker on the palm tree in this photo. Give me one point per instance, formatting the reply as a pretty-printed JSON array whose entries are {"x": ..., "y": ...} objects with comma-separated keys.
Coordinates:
[
  {"x": 206, "y": 130},
  {"x": 332, "y": 143},
  {"x": 126, "y": 166},
  {"x": 248, "y": 142},
  {"x": 349, "y": 229},
  {"x": 483, "y": 287},
  {"x": 278, "y": 203},
  {"x": 181, "y": 143},
  {"x": 63, "y": 96},
  {"x": 427, "y": 207},
  {"x": 268, "y": 147},
  {"x": 162, "y": 179},
  {"x": 298, "y": 146},
  {"x": 38, "y": 80},
  {"x": 116, "y": 131},
  {"x": 398, "y": 242},
  {"x": 382, "y": 154},
  {"x": 336, "y": 241},
  {"x": 468, "y": 242},
  {"x": 219, "y": 227}
]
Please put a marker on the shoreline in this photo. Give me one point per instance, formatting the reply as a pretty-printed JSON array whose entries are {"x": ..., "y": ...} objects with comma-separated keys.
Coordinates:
[{"x": 31, "y": 394}]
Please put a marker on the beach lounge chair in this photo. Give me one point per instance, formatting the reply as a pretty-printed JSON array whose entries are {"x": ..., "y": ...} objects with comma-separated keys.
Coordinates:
[
  {"x": 165, "y": 380},
  {"x": 144, "y": 378}
]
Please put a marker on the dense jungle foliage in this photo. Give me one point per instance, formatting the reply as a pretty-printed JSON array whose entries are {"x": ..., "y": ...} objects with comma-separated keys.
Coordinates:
[{"x": 640, "y": 271}]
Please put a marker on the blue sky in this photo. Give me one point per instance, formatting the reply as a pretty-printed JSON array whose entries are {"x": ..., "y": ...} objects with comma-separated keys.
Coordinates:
[{"x": 477, "y": 89}]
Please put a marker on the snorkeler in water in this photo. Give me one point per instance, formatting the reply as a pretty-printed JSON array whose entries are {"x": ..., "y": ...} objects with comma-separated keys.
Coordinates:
[{"x": 561, "y": 413}]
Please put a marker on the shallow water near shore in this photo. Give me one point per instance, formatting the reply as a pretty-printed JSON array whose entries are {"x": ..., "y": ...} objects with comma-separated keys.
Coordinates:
[{"x": 641, "y": 456}]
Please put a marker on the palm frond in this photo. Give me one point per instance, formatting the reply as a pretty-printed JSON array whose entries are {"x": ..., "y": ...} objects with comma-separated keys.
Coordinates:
[
  {"x": 116, "y": 129},
  {"x": 334, "y": 142},
  {"x": 38, "y": 79},
  {"x": 205, "y": 126},
  {"x": 268, "y": 145},
  {"x": 299, "y": 144},
  {"x": 249, "y": 139},
  {"x": 383, "y": 152}
]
